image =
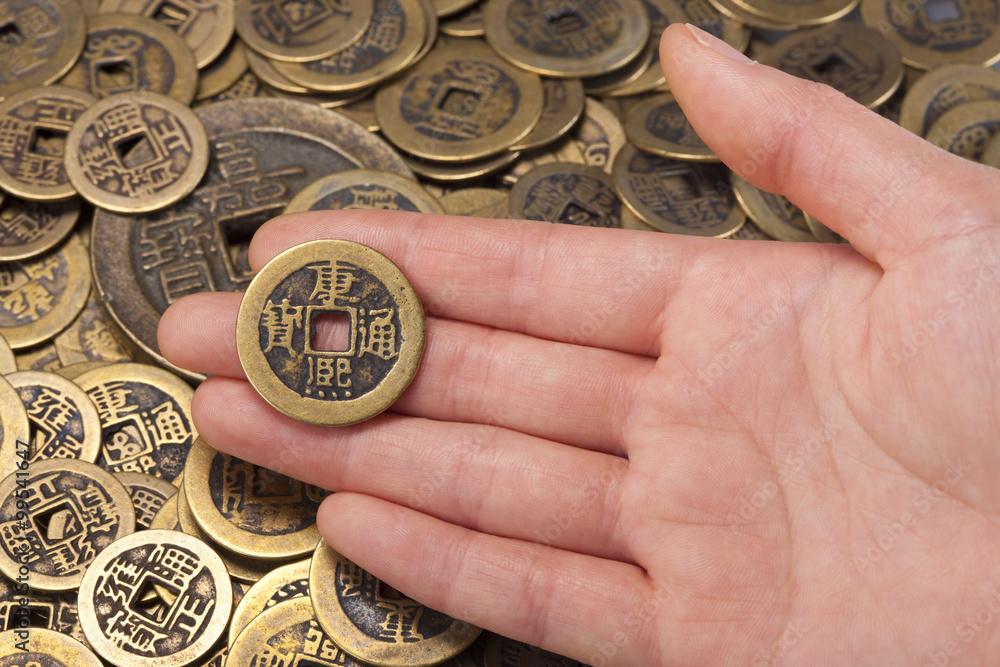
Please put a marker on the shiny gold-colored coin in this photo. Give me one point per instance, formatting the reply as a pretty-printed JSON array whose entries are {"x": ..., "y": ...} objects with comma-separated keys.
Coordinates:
[
  {"x": 128, "y": 53},
  {"x": 42, "y": 40},
  {"x": 564, "y": 101},
  {"x": 467, "y": 23},
  {"x": 943, "y": 89},
  {"x": 631, "y": 221},
  {"x": 567, "y": 39},
  {"x": 149, "y": 493},
  {"x": 298, "y": 32},
  {"x": 136, "y": 153},
  {"x": 735, "y": 12},
  {"x": 459, "y": 103},
  {"x": 35, "y": 124},
  {"x": 366, "y": 618},
  {"x": 933, "y": 34},
  {"x": 222, "y": 73},
  {"x": 277, "y": 586},
  {"x": 30, "y": 228},
  {"x": 92, "y": 337},
  {"x": 276, "y": 327},
  {"x": 851, "y": 58},
  {"x": 388, "y": 45},
  {"x": 658, "y": 126},
  {"x": 166, "y": 518},
  {"x": 967, "y": 129},
  {"x": 457, "y": 172},
  {"x": 322, "y": 100},
  {"x": 823, "y": 233},
  {"x": 678, "y": 197},
  {"x": 15, "y": 447},
  {"x": 568, "y": 193},
  {"x": 774, "y": 214},
  {"x": 365, "y": 189},
  {"x": 205, "y": 25},
  {"x": 39, "y": 297},
  {"x": 801, "y": 13},
  {"x": 74, "y": 511},
  {"x": 44, "y": 648},
  {"x": 170, "y": 591},
  {"x": 476, "y": 202},
  {"x": 605, "y": 84},
  {"x": 270, "y": 76},
  {"x": 145, "y": 416}
]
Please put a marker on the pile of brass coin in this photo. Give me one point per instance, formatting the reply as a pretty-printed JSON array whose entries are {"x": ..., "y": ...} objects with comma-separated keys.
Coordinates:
[{"x": 142, "y": 142}]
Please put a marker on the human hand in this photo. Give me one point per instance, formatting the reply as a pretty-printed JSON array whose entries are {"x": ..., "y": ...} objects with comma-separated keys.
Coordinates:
[{"x": 635, "y": 448}]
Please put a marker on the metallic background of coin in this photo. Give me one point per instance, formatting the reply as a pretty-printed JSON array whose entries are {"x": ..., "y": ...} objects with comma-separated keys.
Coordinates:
[
  {"x": 45, "y": 648},
  {"x": 75, "y": 511},
  {"x": 944, "y": 88},
  {"x": 126, "y": 611},
  {"x": 446, "y": 8},
  {"x": 459, "y": 172},
  {"x": 364, "y": 189},
  {"x": 276, "y": 327},
  {"x": 93, "y": 337},
  {"x": 564, "y": 101},
  {"x": 476, "y": 202},
  {"x": 277, "y": 586},
  {"x": 45, "y": 39},
  {"x": 167, "y": 516},
  {"x": 31, "y": 228},
  {"x": 223, "y": 72},
  {"x": 658, "y": 125},
  {"x": 288, "y": 32},
  {"x": 803, "y": 13},
  {"x": 567, "y": 193},
  {"x": 14, "y": 431},
  {"x": 8, "y": 364},
  {"x": 735, "y": 12},
  {"x": 148, "y": 493},
  {"x": 774, "y": 214},
  {"x": 991, "y": 154},
  {"x": 50, "y": 611},
  {"x": 967, "y": 129}
]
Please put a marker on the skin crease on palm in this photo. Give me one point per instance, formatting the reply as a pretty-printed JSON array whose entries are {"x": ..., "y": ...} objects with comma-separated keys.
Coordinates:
[{"x": 647, "y": 449}]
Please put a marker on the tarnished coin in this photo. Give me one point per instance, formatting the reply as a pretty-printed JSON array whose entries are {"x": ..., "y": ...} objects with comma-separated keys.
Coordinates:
[
  {"x": 467, "y": 23},
  {"x": 943, "y": 89},
  {"x": 563, "y": 106},
  {"x": 631, "y": 221},
  {"x": 567, "y": 39},
  {"x": 476, "y": 202},
  {"x": 504, "y": 652},
  {"x": 322, "y": 100},
  {"x": 800, "y": 12},
  {"x": 145, "y": 416},
  {"x": 389, "y": 44},
  {"x": 929, "y": 35},
  {"x": 155, "y": 597},
  {"x": 39, "y": 297},
  {"x": 854, "y": 59},
  {"x": 148, "y": 493},
  {"x": 966, "y": 129},
  {"x": 330, "y": 383},
  {"x": 735, "y": 12},
  {"x": 33, "y": 128},
  {"x": 279, "y": 585},
  {"x": 30, "y": 228},
  {"x": 74, "y": 371},
  {"x": 376, "y": 623},
  {"x": 8, "y": 364},
  {"x": 40, "y": 358},
  {"x": 823, "y": 233},
  {"x": 301, "y": 31},
  {"x": 658, "y": 125},
  {"x": 445, "y": 8},
  {"x": 224, "y": 72},
  {"x": 92, "y": 337},
  {"x": 167, "y": 517},
  {"x": 270, "y": 76},
  {"x": 678, "y": 197},
  {"x": 28, "y": 610},
  {"x": 15, "y": 446},
  {"x": 127, "y": 53},
  {"x": 459, "y": 103},
  {"x": 136, "y": 153},
  {"x": 247, "y": 86},
  {"x": 55, "y": 517},
  {"x": 362, "y": 112},
  {"x": 572, "y": 194},
  {"x": 456, "y": 172},
  {"x": 605, "y": 84},
  {"x": 41, "y": 41},
  {"x": 365, "y": 189},
  {"x": 263, "y": 152},
  {"x": 778, "y": 217},
  {"x": 205, "y": 25},
  {"x": 44, "y": 648}
]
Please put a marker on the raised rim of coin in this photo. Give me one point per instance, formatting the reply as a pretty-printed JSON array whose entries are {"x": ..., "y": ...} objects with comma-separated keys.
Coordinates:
[
  {"x": 318, "y": 36},
  {"x": 8, "y": 364},
  {"x": 67, "y": 213},
  {"x": 754, "y": 203},
  {"x": 254, "y": 602},
  {"x": 628, "y": 74},
  {"x": 456, "y": 172},
  {"x": 62, "y": 648},
  {"x": 315, "y": 193},
  {"x": 923, "y": 93},
  {"x": 557, "y": 119},
  {"x": 66, "y": 53},
  {"x": 563, "y": 170},
  {"x": 222, "y": 73},
  {"x": 946, "y": 130},
  {"x": 803, "y": 14},
  {"x": 731, "y": 10},
  {"x": 15, "y": 450},
  {"x": 637, "y": 131}
]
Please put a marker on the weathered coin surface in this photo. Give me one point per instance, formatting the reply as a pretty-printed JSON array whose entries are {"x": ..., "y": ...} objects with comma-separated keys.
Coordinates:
[
  {"x": 145, "y": 413},
  {"x": 568, "y": 193},
  {"x": 929, "y": 35},
  {"x": 44, "y": 648},
  {"x": 778, "y": 217},
  {"x": 301, "y": 31},
  {"x": 943, "y": 89},
  {"x": 677, "y": 197},
  {"x": 467, "y": 23},
  {"x": 362, "y": 112},
  {"x": 364, "y": 189},
  {"x": 41, "y": 41},
  {"x": 23, "y": 608},
  {"x": 564, "y": 101},
  {"x": 504, "y": 652},
  {"x": 148, "y": 493},
  {"x": 269, "y": 75},
  {"x": 155, "y": 597},
  {"x": 444, "y": 8},
  {"x": 30, "y": 228},
  {"x": 39, "y": 358},
  {"x": 33, "y": 128},
  {"x": 92, "y": 337},
  {"x": 56, "y": 517},
  {"x": 167, "y": 516},
  {"x": 476, "y": 202},
  {"x": 966, "y": 130},
  {"x": 136, "y": 153},
  {"x": 376, "y": 623},
  {"x": 628, "y": 74},
  {"x": 799, "y": 12},
  {"x": 851, "y": 58},
  {"x": 567, "y": 39},
  {"x": 658, "y": 125},
  {"x": 459, "y": 103},
  {"x": 457, "y": 172},
  {"x": 129, "y": 53},
  {"x": 39, "y": 297},
  {"x": 222, "y": 73},
  {"x": 735, "y": 12},
  {"x": 277, "y": 586},
  {"x": 276, "y": 332}
]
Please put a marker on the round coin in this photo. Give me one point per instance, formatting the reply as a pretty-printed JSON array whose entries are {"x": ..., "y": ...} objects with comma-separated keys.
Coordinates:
[
  {"x": 364, "y": 189},
  {"x": 455, "y": 172},
  {"x": 270, "y": 76},
  {"x": 567, "y": 39},
  {"x": 35, "y": 124},
  {"x": 778, "y": 217},
  {"x": 572, "y": 194},
  {"x": 943, "y": 89},
  {"x": 155, "y": 597},
  {"x": 301, "y": 31},
  {"x": 148, "y": 493},
  {"x": 128, "y": 53},
  {"x": 41, "y": 41},
  {"x": 167, "y": 517},
  {"x": 563, "y": 106},
  {"x": 476, "y": 202},
  {"x": 15, "y": 447},
  {"x": 279, "y": 585},
  {"x": 56, "y": 518},
  {"x": 276, "y": 328},
  {"x": 377, "y": 624},
  {"x": 459, "y": 103},
  {"x": 222, "y": 73},
  {"x": 44, "y": 648},
  {"x": 748, "y": 232},
  {"x": 467, "y": 23},
  {"x": 30, "y": 228},
  {"x": 23, "y": 608},
  {"x": 678, "y": 197},
  {"x": 967, "y": 129},
  {"x": 92, "y": 337},
  {"x": 658, "y": 125},
  {"x": 136, "y": 153},
  {"x": 799, "y": 12}
]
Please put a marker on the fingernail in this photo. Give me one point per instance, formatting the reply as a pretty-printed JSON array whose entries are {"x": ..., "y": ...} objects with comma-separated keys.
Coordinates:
[{"x": 716, "y": 44}]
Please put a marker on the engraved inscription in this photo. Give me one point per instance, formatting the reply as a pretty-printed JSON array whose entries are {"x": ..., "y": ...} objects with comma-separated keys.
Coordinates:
[
  {"x": 970, "y": 24},
  {"x": 682, "y": 193},
  {"x": 56, "y": 423},
  {"x": 30, "y": 290},
  {"x": 558, "y": 28},
  {"x": 23, "y": 222},
  {"x": 120, "y": 59},
  {"x": 33, "y": 139},
  {"x": 828, "y": 59},
  {"x": 668, "y": 122},
  {"x": 573, "y": 199},
  {"x": 301, "y": 645},
  {"x": 380, "y": 40},
  {"x": 29, "y": 37},
  {"x": 365, "y": 197},
  {"x": 291, "y": 22}
]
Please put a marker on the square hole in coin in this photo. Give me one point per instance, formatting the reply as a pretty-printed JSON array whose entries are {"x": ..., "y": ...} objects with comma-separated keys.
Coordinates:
[
  {"x": 10, "y": 34},
  {"x": 39, "y": 615},
  {"x": 459, "y": 101},
  {"x": 331, "y": 332},
  {"x": 681, "y": 184},
  {"x": 575, "y": 212},
  {"x": 834, "y": 67},
  {"x": 565, "y": 20},
  {"x": 270, "y": 484},
  {"x": 57, "y": 523},
  {"x": 173, "y": 15},
  {"x": 135, "y": 151},
  {"x": 939, "y": 11},
  {"x": 153, "y": 598},
  {"x": 115, "y": 74},
  {"x": 47, "y": 141}
]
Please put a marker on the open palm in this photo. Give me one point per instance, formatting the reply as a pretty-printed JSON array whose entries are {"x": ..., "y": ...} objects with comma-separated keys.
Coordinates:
[{"x": 637, "y": 449}]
